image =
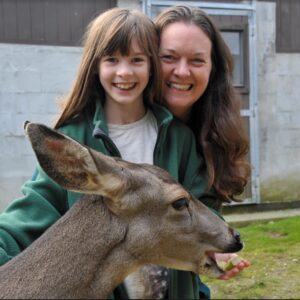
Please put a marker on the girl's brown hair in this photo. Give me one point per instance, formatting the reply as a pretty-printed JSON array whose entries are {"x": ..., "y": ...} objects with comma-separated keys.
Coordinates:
[
  {"x": 215, "y": 117},
  {"x": 108, "y": 33}
]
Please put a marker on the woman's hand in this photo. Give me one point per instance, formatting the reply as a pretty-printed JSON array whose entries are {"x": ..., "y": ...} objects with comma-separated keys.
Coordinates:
[{"x": 234, "y": 271}]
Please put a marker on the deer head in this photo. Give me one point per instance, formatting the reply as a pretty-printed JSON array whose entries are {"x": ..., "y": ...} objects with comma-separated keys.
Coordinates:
[{"x": 165, "y": 224}]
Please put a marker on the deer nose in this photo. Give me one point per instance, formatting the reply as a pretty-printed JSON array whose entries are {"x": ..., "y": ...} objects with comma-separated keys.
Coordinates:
[
  {"x": 237, "y": 236},
  {"x": 238, "y": 244}
]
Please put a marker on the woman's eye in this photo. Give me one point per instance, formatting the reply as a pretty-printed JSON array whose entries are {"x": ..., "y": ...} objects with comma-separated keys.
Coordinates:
[
  {"x": 180, "y": 204},
  {"x": 167, "y": 58},
  {"x": 198, "y": 61}
]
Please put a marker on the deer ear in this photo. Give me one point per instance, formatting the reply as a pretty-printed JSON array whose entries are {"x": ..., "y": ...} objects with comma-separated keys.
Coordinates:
[{"x": 71, "y": 164}]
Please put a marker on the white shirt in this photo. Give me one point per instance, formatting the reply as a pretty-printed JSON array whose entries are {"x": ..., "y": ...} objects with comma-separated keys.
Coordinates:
[{"x": 136, "y": 141}]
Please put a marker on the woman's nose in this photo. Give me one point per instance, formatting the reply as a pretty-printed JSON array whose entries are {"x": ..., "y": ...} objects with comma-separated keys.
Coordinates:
[{"x": 182, "y": 69}]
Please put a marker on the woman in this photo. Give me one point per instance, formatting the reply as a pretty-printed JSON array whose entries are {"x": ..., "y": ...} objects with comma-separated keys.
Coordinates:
[{"x": 197, "y": 68}]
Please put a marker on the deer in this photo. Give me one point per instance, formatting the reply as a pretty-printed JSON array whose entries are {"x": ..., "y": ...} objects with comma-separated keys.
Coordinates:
[{"x": 129, "y": 215}]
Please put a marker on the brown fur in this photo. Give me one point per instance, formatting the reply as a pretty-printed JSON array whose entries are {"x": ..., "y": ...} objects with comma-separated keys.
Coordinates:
[{"x": 108, "y": 235}]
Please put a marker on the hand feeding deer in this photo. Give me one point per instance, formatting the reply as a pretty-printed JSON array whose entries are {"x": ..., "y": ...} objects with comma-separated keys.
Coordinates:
[{"x": 130, "y": 215}]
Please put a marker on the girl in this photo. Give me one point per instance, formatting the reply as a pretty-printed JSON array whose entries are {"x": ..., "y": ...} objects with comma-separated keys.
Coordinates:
[{"x": 111, "y": 109}]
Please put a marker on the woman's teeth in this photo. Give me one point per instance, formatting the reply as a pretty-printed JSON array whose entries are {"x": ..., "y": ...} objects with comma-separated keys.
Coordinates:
[
  {"x": 124, "y": 86},
  {"x": 181, "y": 87}
]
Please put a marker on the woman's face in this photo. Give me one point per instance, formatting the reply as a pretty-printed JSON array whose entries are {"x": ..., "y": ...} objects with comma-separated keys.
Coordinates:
[{"x": 185, "y": 53}]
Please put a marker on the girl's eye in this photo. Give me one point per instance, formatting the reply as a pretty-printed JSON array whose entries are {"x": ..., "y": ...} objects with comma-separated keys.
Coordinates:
[
  {"x": 137, "y": 59},
  {"x": 180, "y": 204},
  {"x": 110, "y": 59}
]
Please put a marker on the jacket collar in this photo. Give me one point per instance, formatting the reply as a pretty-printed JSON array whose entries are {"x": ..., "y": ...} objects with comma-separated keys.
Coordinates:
[
  {"x": 99, "y": 119},
  {"x": 162, "y": 115}
]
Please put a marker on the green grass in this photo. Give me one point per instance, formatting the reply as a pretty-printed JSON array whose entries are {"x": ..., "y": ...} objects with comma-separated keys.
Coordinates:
[{"x": 274, "y": 252}]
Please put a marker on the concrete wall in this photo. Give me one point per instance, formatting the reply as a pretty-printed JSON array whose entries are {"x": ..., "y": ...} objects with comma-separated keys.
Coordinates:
[
  {"x": 279, "y": 112},
  {"x": 31, "y": 80}
]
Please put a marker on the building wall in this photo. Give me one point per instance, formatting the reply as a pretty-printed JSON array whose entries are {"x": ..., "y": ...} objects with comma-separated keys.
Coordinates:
[
  {"x": 279, "y": 112},
  {"x": 132, "y": 4},
  {"x": 31, "y": 80}
]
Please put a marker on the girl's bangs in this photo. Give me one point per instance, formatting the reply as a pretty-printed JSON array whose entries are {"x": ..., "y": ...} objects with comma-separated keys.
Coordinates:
[{"x": 121, "y": 41}]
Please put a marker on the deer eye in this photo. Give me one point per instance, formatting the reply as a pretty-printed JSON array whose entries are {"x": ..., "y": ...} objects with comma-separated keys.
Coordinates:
[{"x": 180, "y": 204}]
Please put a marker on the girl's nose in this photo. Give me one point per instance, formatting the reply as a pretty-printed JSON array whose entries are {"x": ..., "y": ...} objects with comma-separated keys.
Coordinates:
[
  {"x": 182, "y": 69},
  {"x": 124, "y": 69}
]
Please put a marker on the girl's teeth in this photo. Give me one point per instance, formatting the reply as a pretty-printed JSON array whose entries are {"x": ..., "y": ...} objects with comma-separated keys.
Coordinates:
[
  {"x": 182, "y": 87},
  {"x": 124, "y": 86}
]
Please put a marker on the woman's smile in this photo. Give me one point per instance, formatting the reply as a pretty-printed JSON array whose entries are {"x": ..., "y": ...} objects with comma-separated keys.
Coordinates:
[{"x": 179, "y": 86}]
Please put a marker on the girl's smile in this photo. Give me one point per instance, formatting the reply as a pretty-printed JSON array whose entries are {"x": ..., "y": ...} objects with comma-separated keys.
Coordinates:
[{"x": 125, "y": 86}]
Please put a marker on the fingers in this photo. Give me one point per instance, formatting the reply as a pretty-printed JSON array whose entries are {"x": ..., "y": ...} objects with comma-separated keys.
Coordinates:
[
  {"x": 236, "y": 270},
  {"x": 246, "y": 263},
  {"x": 230, "y": 274}
]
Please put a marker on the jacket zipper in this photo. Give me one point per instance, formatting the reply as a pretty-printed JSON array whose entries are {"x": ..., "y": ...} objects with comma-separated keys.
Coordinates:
[{"x": 109, "y": 144}]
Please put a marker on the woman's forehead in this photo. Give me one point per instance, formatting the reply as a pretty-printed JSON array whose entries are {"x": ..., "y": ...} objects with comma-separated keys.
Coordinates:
[{"x": 184, "y": 37}]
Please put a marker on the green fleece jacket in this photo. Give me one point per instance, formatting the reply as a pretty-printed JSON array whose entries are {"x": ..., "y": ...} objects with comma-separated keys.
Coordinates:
[{"x": 44, "y": 201}]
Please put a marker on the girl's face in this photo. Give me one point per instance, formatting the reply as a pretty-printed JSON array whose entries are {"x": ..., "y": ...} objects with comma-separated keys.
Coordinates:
[
  {"x": 124, "y": 78},
  {"x": 185, "y": 53}
]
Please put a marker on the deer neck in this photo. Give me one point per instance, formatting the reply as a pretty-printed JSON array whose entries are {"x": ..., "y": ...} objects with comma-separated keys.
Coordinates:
[
  {"x": 80, "y": 257},
  {"x": 106, "y": 259},
  {"x": 116, "y": 267}
]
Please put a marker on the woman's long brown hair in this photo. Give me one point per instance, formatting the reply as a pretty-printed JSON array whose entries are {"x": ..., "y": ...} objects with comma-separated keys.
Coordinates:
[
  {"x": 108, "y": 33},
  {"x": 215, "y": 117}
]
